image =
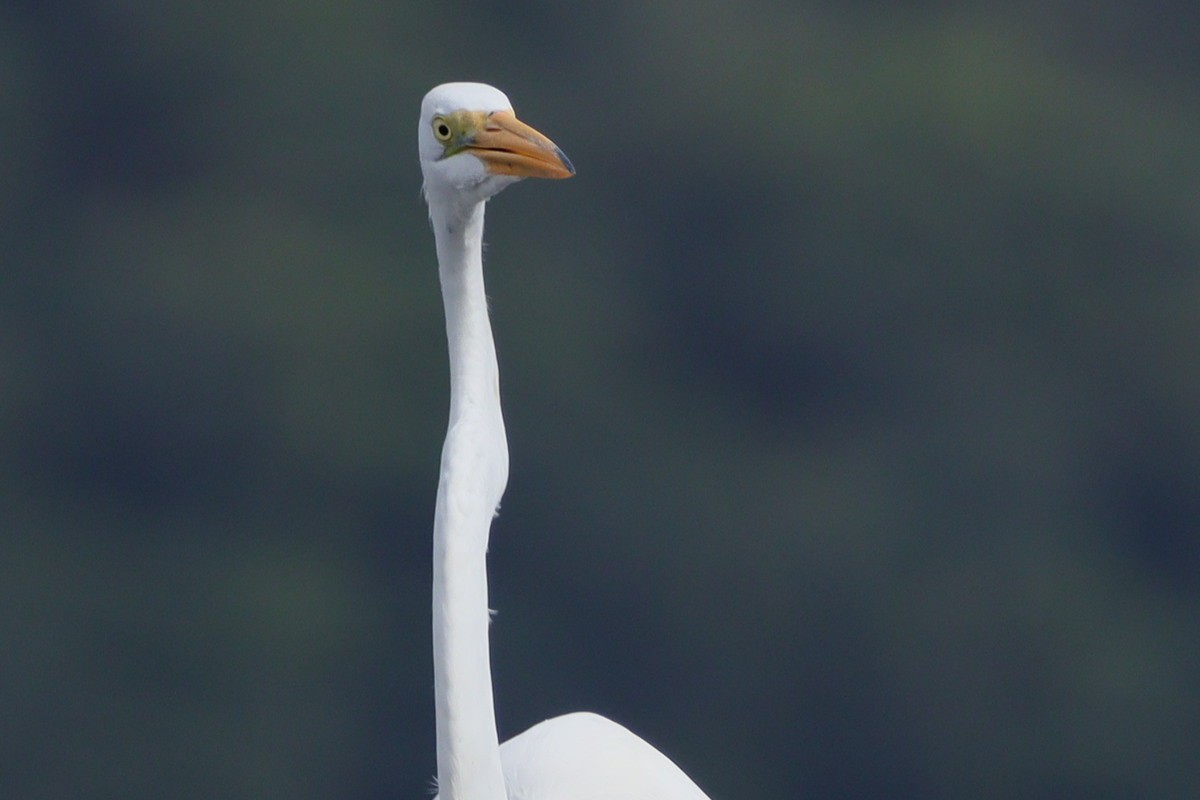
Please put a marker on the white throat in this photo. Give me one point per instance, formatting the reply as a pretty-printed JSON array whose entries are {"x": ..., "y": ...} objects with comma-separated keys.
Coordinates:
[{"x": 474, "y": 472}]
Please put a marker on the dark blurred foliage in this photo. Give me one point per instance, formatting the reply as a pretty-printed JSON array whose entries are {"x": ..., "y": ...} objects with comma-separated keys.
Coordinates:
[{"x": 853, "y": 392}]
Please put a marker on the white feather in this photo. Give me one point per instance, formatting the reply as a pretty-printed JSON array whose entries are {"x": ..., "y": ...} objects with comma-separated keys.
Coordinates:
[{"x": 578, "y": 756}]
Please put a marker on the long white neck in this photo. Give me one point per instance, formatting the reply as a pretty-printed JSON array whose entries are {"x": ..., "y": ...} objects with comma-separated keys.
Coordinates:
[{"x": 474, "y": 473}]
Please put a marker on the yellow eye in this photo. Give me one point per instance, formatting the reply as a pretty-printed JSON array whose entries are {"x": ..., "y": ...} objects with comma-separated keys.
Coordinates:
[{"x": 441, "y": 129}]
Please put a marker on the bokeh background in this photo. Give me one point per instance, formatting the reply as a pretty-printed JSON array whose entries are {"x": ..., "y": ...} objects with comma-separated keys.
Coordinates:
[{"x": 853, "y": 390}]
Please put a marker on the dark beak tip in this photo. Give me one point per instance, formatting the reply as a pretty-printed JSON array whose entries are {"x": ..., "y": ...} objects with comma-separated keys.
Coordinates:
[{"x": 566, "y": 162}]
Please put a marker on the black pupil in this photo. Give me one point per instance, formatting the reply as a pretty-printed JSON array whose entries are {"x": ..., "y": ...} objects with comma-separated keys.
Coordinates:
[{"x": 443, "y": 130}]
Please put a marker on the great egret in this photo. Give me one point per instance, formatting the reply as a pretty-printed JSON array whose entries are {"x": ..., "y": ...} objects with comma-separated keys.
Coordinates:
[{"x": 471, "y": 147}]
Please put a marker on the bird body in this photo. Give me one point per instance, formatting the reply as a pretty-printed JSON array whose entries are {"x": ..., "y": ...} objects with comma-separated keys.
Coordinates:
[
  {"x": 584, "y": 756},
  {"x": 471, "y": 147}
]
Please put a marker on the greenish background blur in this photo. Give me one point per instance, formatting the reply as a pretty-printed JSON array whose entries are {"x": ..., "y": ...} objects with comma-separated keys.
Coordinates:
[{"x": 853, "y": 390}]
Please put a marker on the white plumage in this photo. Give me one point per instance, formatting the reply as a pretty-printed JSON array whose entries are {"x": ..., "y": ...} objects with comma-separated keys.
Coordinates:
[{"x": 472, "y": 146}]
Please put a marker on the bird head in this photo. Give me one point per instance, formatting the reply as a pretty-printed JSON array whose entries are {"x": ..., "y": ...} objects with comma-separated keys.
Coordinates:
[{"x": 472, "y": 145}]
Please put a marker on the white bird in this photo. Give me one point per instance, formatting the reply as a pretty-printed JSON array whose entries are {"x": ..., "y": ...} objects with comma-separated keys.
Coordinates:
[{"x": 471, "y": 147}]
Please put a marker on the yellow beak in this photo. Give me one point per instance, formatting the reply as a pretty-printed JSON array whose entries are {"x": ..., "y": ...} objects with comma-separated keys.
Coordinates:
[{"x": 508, "y": 146}]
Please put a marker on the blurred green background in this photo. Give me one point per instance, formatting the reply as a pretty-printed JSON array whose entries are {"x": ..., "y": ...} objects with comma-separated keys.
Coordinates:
[{"x": 853, "y": 392}]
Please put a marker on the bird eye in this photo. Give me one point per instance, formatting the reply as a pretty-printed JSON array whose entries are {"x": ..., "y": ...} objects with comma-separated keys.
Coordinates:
[{"x": 441, "y": 129}]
